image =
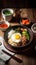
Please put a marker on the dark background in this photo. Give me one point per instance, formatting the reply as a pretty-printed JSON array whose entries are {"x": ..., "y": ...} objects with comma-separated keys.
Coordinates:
[{"x": 18, "y": 3}]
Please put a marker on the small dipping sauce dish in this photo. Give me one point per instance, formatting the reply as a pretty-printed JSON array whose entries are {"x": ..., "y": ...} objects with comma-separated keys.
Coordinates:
[{"x": 33, "y": 28}]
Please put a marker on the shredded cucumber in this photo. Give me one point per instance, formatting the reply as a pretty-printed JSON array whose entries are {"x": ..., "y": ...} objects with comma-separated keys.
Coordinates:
[{"x": 26, "y": 33}]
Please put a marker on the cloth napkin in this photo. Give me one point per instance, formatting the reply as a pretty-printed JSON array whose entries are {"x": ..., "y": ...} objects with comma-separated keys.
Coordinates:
[{"x": 4, "y": 56}]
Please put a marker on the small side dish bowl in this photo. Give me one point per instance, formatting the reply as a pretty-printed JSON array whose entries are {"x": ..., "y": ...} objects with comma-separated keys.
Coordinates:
[
  {"x": 33, "y": 28},
  {"x": 25, "y": 21},
  {"x": 7, "y": 14},
  {"x": 4, "y": 25}
]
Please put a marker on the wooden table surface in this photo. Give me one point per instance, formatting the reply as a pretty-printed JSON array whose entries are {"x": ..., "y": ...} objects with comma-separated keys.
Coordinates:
[{"x": 26, "y": 58}]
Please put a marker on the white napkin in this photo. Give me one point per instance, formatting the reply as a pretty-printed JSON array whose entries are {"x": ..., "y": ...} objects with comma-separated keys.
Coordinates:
[{"x": 4, "y": 56}]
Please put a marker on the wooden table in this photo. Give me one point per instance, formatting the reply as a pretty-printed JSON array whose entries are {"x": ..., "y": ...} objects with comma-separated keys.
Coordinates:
[{"x": 28, "y": 58}]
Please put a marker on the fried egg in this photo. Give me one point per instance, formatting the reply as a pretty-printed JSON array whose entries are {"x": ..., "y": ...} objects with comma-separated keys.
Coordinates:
[{"x": 16, "y": 37}]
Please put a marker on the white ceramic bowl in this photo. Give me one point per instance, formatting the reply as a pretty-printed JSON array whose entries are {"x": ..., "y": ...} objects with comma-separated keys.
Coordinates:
[
  {"x": 6, "y": 22},
  {"x": 33, "y": 28},
  {"x": 7, "y": 17}
]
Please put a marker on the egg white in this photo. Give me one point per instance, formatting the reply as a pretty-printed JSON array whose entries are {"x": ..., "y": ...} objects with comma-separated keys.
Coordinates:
[
  {"x": 10, "y": 33},
  {"x": 14, "y": 39}
]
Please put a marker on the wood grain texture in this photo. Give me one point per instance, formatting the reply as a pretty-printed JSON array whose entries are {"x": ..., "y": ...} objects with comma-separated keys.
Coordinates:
[{"x": 27, "y": 59}]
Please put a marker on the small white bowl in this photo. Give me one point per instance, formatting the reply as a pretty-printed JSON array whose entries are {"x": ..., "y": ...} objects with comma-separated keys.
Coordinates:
[
  {"x": 33, "y": 27},
  {"x": 7, "y": 17},
  {"x": 6, "y": 22}
]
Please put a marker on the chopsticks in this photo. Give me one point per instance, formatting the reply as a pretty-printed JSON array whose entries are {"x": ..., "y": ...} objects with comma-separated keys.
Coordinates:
[{"x": 12, "y": 56}]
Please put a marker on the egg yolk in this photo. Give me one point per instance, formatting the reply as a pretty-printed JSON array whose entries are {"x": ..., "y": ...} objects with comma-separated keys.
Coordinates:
[{"x": 17, "y": 36}]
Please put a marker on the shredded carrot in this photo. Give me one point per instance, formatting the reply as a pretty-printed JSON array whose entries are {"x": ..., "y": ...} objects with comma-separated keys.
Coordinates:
[{"x": 25, "y": 21}]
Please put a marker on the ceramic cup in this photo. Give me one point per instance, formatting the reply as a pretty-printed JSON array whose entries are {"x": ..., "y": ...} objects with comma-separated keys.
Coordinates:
[{"x": 9, "y": 16}]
